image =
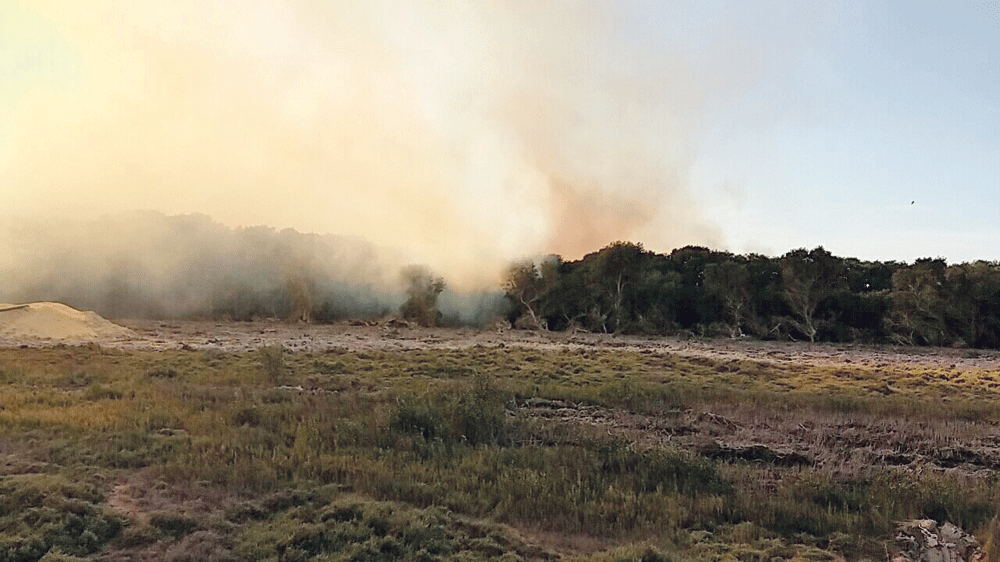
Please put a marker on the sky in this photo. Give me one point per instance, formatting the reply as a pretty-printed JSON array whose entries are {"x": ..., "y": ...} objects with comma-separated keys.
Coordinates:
[{"x": 465, "y": 135}]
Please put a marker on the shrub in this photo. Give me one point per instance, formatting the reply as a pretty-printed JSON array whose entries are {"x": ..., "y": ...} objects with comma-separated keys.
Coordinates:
[
  {"x": 476, "y": 417},
  {"x": 423, "y": 290},
  {"x": 483, "y": 413},
  {"x": 201, "y": 546},
  {"x": 417, "y": 417},
  {"x": 658, "y": 470},
  {"x": 248, "y": 415},
  {"x": 101, "y": 392},
  {"x": 41, "y": 513},
  {"x": 272, "y": 361},
  {"x": 173, "y": 524},
  {"x": 162, "y": 372}
]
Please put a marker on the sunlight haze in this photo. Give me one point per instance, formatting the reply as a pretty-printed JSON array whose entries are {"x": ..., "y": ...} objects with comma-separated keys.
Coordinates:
[{"x": 468, "y": 135}]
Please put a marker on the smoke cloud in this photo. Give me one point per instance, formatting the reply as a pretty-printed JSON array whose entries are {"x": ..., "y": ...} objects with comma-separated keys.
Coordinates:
[
  {"x": 147, "y": 264},
  {"x": 460, "y": 135}
]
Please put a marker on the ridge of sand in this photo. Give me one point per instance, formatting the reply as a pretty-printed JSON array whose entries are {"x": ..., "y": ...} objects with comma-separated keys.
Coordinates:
[{"x": 56, "y": 322}]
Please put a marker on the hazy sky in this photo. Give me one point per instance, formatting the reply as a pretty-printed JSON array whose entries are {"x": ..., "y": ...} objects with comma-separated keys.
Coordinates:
[{"x": 468, "y": 134}]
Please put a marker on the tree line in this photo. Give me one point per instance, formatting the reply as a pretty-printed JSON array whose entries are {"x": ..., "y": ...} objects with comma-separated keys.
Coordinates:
[
  {"x": 189, "y": 266},
  {"x": 806, "y": 295}
]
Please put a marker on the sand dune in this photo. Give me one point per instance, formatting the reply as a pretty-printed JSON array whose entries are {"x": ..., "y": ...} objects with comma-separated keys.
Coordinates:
[{"x": 56, "y": 322}]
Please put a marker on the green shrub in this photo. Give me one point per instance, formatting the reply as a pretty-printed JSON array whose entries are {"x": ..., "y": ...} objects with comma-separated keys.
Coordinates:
[
  {"x": 419, "y": 417},
  {"x": 272, "y": 361},
  {"x": 127, "y": 449},
  {"x": 175, "y": 525},
  {"x": 246, "y": 511},
  {"x": 370, "y": 530},
  {"x": 284, "y": 500},
  {"x": 476, "y": 417},
  {"x": 658, "y": 470},
  {"x": 483, "y": 413},
  {"x": 162, "y": 372},
  {"x": 951, "y": 501},
  {"x": 101, "y": 392},
  {"x": 248, "y": 415},
  {"x": 39, "y": 513}
]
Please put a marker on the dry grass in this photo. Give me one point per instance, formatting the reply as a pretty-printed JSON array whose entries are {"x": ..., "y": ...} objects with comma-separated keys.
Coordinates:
[{"x": 624, "y": 454}]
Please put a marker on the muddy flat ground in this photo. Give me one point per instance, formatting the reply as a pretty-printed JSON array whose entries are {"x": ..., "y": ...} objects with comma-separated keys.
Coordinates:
[{"x": 392, "y": 336}]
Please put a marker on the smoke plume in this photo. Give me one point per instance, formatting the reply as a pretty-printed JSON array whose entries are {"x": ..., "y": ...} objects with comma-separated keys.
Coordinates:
[
  {"x": 462, "y": 135},
  {"x": 146, "y": 264}
]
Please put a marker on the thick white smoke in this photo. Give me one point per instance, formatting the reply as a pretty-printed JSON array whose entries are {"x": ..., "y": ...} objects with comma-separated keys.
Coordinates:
[{"x": 463, "y": 134}]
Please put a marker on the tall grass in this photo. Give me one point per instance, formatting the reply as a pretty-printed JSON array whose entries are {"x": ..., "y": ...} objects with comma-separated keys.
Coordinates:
[{"x": 401, "y": 450}]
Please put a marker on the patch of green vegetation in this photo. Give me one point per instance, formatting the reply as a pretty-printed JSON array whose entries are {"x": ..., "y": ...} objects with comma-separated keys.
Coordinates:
[
  {"x": 358, "y": 529},
  {"x": 272, "y": 361},
  {"x": 42, "y": 513},
  {"x": 430, "y": 454},
  {"x": 477, "y": 417},
  {"x": 172, "y": 524}
]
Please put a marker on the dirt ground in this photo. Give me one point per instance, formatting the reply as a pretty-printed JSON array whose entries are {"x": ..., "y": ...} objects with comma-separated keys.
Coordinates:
[{"x": 394, "y": 336}]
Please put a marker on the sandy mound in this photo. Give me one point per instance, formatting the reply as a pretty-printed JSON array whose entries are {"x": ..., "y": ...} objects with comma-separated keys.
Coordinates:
[{"x": 56, "y": 322}]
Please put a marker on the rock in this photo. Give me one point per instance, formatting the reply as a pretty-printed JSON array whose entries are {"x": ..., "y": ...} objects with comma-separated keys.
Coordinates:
[{"x": 923, "y": 540}]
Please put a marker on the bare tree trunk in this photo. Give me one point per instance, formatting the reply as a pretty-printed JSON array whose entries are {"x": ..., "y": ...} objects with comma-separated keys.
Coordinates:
[{"x": 534, "y": 317}]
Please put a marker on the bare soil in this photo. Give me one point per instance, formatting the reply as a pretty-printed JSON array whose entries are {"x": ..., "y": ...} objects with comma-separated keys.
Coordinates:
[{"x": 394, "y": 336}]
